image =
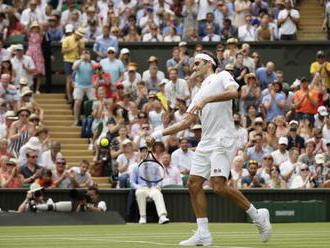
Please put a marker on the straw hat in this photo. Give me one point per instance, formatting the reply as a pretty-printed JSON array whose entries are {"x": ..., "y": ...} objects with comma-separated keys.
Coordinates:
[
  {"x": 35, "y": 24},
  {"x": 80, "y": 32},
  {"x": 23, "y": 109},
  {"x": 26, "y": 91}
]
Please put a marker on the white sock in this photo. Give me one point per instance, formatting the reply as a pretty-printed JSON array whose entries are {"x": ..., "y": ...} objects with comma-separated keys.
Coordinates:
[
  {"x": 252, "y": 212},
  {"x": 203, "y": 225}
]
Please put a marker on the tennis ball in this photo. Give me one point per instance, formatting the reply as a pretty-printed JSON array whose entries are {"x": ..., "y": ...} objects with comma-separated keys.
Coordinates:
[{"x": 104, "y": 142}]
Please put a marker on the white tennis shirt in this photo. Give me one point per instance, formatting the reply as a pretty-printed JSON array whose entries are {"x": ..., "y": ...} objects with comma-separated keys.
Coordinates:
[{"x": 216, "y": 118}]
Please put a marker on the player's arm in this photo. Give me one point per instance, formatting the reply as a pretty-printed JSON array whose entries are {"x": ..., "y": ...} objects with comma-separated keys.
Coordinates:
[
  {"x": 229, "y": 94},
  {"x": 187, "y": 121}
]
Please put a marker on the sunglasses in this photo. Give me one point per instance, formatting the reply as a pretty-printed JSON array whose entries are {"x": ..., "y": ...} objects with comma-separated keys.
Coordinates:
[
  {"x": 147, "y": 128},
  {"x": 268, "y": 158},
  {"x": 253, "y": 162},
  {"x": 60, "y": 163},
  {"x": 255, "y": 56},
  {"x": 24, "y": 115},
  {"x": 258, "y": 124},
  {"x": 304, "y": 170},
  {"x": 32, "y": 156}
]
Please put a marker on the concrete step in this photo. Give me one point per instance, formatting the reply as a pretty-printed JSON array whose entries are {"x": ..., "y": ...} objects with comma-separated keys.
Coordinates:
[
  {"x": 77, "y": 159},
  {"x": 59, "y": 111},
  {"x": 51, "y": 101},
  {"x": 56, "y": 117},
  {"x": 74, "y": 147},
  {"x": 104, "y": 186},
  {"x": 63, "y": 128},
  {"x": 76, "y": 152},
  {"x": 50, "y": 95},
  {"x": 64, "y": 134},
  {"x": 67, "y": 122},
  {"x": 101, "y": 180},
  {"x": 51, "y": 106},
  {"x": 72, "y": 141}
]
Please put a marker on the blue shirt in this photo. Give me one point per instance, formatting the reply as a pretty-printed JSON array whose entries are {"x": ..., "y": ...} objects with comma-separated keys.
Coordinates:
[
  {"x": 115, "y": 68},
  {"x": 253, "y": 155},
  {"x": 172, "y": 63},
  {"x": 102, "y": 44},
  {"x": 264, "y": 78},
  {"x": 55, "y": 35},
  {"x": 274, "y": 109},
  {"x": 136, "y": 182},
  {"x": 83, "y": 75}
]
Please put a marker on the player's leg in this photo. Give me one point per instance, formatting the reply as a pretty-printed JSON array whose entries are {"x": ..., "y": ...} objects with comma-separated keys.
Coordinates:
[
  {"x": 141, "y": 195},
  {"x": 158, "y": 198},
  {"x": 197, "y": 196}
]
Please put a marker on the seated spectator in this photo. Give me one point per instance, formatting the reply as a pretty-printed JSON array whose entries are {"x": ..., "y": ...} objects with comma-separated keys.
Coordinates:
[
  {"x": 11, "y": 178},
  {"x": 54, "y": 31},
  {"x": 63, "y": 179},
  {"x": 321, "y": 170},
  {"x": 172, "y": 36},
  {"x": 228, "y": 30},
  {"x": 181, "y": 158},
  {"x": 309, "y": 156},
  {"x": 4, "y": 151},
  {"x": 125, "y": 162},
  {"x": 153, "y": 35},
  {"x": 143, "y": 191},
  {"x": 132, "y": 79},
  {"x": 259, "y": 6},
  {"x": 276, "y": 181},
  {"x": 191, "y": 35},
  {"x": 81, "y": 175},
  {"x": 32, "y": 13},
  {"x": 103, "y": 42},
  {"x": 252, "y": 180},
  {"x": 281, "y": 154},
  {"x": 242, "y": 132},
  {"x": 8, "y": 92},
  {"x": 271, "y": 139},
  {"x": 33, "y": 144},
  {"x": 210, "y": 35},
  {"x": 320, "y": 142},
  {"x": 92, "y": 31},
  {"x": 48, "y": 158},
  {"x": 247, "y": 32},
  {"x": 256, "y": 152},
  {"x": 264, "y": 32},
  {"x": 257, "y": 127},
  {"x": 266, "y": 166},
  {"x": 247, "y": 60},
  {"x": 326, "y": 129},
  {"x": 132, "y": 35},
  {"x": 266, "y": 75},
  {"x": 197, "y": 134},
  {"x": 303, "y": 179},
  {"x": 96, "y": 204},
  {"x": 179, "y": 62},
  {"x": 238, "y": 172},
  {"x": 320, "y": 117},
  {"x": 291, "y": 167},
  {"x": 273, "y": 103},
  {"x": 10, "y": 117},
  {"x": 30, "y": 170},
  {"x": 83, "y": 83},
  {"x": 46, "y": 179},
  {"x": 294, "y": 139},
  {"x": 172, "y": 178},
  {"x": 288, "y": 20}
]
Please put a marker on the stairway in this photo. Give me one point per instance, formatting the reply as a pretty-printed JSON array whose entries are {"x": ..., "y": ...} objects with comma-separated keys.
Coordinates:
[
  {"x": 311, "y": 19},
  {"x": 59, "y": 119}
]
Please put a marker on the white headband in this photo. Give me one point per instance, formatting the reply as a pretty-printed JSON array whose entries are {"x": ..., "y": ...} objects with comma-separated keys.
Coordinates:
[{"x": 206, "y": 57}]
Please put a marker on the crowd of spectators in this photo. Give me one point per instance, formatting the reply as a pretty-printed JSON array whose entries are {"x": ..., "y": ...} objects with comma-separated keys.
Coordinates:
[{"x": 283, "y": 127}]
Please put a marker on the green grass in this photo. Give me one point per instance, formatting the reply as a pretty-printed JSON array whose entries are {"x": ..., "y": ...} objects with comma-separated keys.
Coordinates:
[{"x": 151, "y": 235}]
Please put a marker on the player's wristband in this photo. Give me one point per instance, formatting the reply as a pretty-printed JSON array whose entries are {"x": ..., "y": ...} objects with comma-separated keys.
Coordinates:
[{"x": 157, "y": 135}]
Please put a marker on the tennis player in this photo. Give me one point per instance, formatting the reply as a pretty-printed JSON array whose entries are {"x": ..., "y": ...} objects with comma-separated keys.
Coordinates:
[{"x": 215, "y": 152}]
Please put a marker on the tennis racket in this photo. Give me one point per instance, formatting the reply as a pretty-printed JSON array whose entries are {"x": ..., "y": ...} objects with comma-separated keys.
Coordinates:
[{"x": 150, "y": 170}]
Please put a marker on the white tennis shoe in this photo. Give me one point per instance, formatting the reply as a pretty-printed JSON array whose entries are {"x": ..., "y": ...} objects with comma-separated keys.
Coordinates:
[
  {"x": 263, "y": 224},
  {"x": 198, "y": 239},
  {"x": 163, "y": 219},
  {"x": 143, "y": 220}
]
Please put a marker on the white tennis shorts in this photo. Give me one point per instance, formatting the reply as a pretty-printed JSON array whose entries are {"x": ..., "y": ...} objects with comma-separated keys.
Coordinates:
[{"x": 214, "y": 163}]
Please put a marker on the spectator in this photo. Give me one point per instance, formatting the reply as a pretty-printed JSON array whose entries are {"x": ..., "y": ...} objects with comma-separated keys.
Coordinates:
[
  {"x": 321, "y": 68},
  {"x": 240, "y": 70},
  {"x": 101, "y": 80},
  {"x": 228, "y": 30},
  {"x": 67, "y": 14},
  {"x": 48, "y": 158},
  {"x": 210, "y": 35},
  {"x": 288, "y": 19},
  {"x": 320, "y": 142},
  {"x": 294, "y": 139},
  {"x": 54, "y": 30},
  {"x": 63, "y": 179},
  {"x": 266, "y": 166},
  {"x": 242, "y": 8},
  {"x": 92, "y": 31},
  {"x": 172, "y": 177},
  {"x": 31, "y": 170},
  {"x": 34, "y": 144},
  {"x": 259, "y": 6},
  {"x": 11, "y": 177},
  {"x": 153, "y": 35},
  {"x": 172, "y": 36},
  {"x": 276, "y": 181},
  {"x": 204, "y": 7},
  {"x": 153, "y": 73},
  {"x": 253, "y": 180},
  {"x": 8, "y": 92},
  {"x": 257, "y": 60},
  {"x": 266, "y": 75},
  {"x": 23, "y": 65},
  {"x": 309, "y": 156},
  {"x": 72, "y": 47},
  {"x": 181, "y": 158},
  {"x": 96, "y": 204},
  {"x": 321, "y": 170},
  {"x": 303, "y": 179},
  {"x": 242, "y": 132},
  {"x": 155, "y": 115},
  {"x": 250, "y": 93},
  {"x": 189, "y": 12},
  {"x": 257, "y": 151},
  {"x": 238, "y": 172},
  {"x": 281, "y": 155},
  {"x": 290, "y": 168},
  {"x": 144, "y": 190},
  {"x": 247, "y": 32},
  {"x": 7, "y": 67},
  {"x": 248, "y": 61},
  {"x": 34, "y": 195},
  {"x": 179, "y": 61},
  {"x": 221, "y": 12},
  {"x": 45, "y": 180},
  {"x": 305, "y": 102},
  {"x": 103, "y": 42},
  {"x": 326, "y": 129},
  {"x": 83, "y": 69},
  {"x": 197, "y": 134},
  {"x": 32, "y": 14},
  {"x": 320, "y": 117},
  {"x": 273, "y": 103},
  {"x": 222, "y": 62},
  {"x": 265, "y": 32},
  {"x": 326, "y": 20},
  {"x": 81, "y": 175},
  {"x": 257, "y": 127},
  {"x": 10, "y": 117},
  {"x": 35, "y": 52},
  {"x": 113, "y": 66},
  {"x": 125, "y": 162},
  {"x": 176, "y": 88},
  {"x": 132, "y": 35},
  {"x": 209, "y": 23}
]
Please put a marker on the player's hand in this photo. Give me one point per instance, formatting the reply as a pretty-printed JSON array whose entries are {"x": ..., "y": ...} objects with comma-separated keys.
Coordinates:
[
  {"x": 150, "y": 141},
  {"x": 197, "y": 109}
]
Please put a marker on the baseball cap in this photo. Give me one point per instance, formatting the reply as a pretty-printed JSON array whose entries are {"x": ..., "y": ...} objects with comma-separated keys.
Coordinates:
[
  {"x": 19, "y": 47},
  {"x": 111, "y": 49},
  {"x": 319, "y": 158},
  {"x": 293, "y": 122},
  {"x": 69, "y": 28},
  {"x": 258, "y": 120},
  {"x": 322, "y": 110},
  {"x": 283, "y": 141},
  {"x": 320, "y": 54},
  {"x": 182, "y": 43},
  {"x": 163, "y": 81},
  {"x": 124, "y": 51}
]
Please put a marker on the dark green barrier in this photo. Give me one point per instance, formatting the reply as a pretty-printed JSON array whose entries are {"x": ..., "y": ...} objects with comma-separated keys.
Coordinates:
[{"x": 178, "y": 201}]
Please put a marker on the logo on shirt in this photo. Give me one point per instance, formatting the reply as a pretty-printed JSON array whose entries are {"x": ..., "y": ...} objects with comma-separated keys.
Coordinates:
[{"x": 216, "y": 171}]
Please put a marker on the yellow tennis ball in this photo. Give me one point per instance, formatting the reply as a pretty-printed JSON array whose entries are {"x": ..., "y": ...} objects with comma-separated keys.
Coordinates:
[{"x": 104, "y": 142}]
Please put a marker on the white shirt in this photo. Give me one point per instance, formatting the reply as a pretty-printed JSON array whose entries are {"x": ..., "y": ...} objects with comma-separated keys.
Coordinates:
[
  {"x": 155, "y": 118},
  {"x": 216, "y": 132},
  {"x": 279, "y": 157},
  {"x": 122, "y": 159},
  {"x": 20, "y": 71},
  {"x": 214, "y": 37},
  {"x": 102, "y": 205},
  {"x": 288, "y": 27},
  {"x": 242, "y": 137},
  {"x": 28, "y": 16},
  {"x": 286, "y": 168},
  {"x": 148, "y": 37},
  {"x": 46, "y": 160},
  {"x": 326, "y": 133},
  {"x": 181, "y": 159},
  {"x": 169, "y": 38},
  {"x": 66, "y": 16},
  {"x": 247, "y": 33},
  {"x": 172, "y": 176},
  {"x": 249, "y": 63},
  {"x": 179, "y": 89}
]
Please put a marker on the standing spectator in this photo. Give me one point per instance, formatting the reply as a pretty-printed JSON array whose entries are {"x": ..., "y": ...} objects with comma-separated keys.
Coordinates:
[
  {"x": 228, "y": 30},
  {"x": 247, "y": 32},
  {"x": 253, "y": 180},
  {"x": 273, "y": 103},
  {"x": 231, "y": 50},
  {"x": 81, "y": 175},
  {"x": 259, "y": 6},
  {"x": 103, "y": 42},
  {"x": 294, "y": 139},
  {"x": 242, "y": 8},
  {"x": 102, "y": 80},
  {"x": 256, "y": 152},
  {"x": 281, "y": 155},
  {"x": 67, "y": 14},
  {"x": 176, "y": 88},
  {"x": 288, "y": 20},
  {"x": 305, "y": 102},
  {"x": 92, "y": 31},
  {"x": 266, "y": 75},
  {"x": 113, "y": 66},
  {"x": 250, "y": 93},
  {"x": 82, "y": 82},
  {"x": 35, "y": 52},
  {"x": 31, "y": 170},
  {"x": 153, "y": 74},
  {"x": 54, "y": 31},
  {"x": 189, "y": 12},
  {"x": 326, "y": 20},
  {"x": 240, "y": 70},
  {"x": 23, "y": 65},
  {"x": 181, "y": 158},
  {"x": 72, "y": 47},
  {"x": 320, "y": 142},
  {"x": 172, "y": 177},
  {"x": 143, "y": 190},
  {"x": 32, "y": 14},
  {"x": 321, "y": 68},
  {"x": 179, "y": 62}
]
